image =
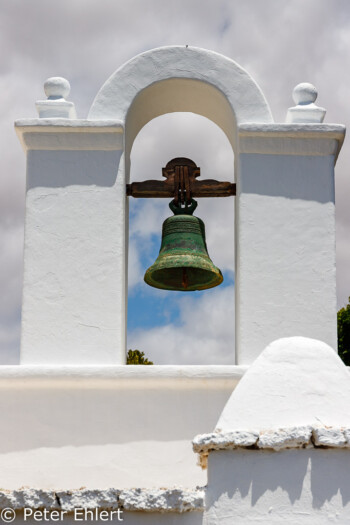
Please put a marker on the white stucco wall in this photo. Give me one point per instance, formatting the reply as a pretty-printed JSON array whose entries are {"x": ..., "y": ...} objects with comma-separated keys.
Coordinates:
[
  {"x": 102, "y": 427},
  {"x": 293, "y": 486},
  {"x": 285, "y": 235},
  {"x": 74, "y": 256}
]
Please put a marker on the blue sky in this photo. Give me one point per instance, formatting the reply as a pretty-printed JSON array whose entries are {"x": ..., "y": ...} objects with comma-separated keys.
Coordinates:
[{"x": 279, "y": 43}]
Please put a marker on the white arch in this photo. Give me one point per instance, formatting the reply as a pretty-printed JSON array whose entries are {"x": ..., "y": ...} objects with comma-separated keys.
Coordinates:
[
  {"x": 180, "y": 78},
  {"x": 175, "y": 79}
]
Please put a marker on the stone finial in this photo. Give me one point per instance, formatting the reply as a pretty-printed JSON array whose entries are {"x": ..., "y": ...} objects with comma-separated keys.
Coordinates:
[
  {"x": 56, "y": 106},
  {"x": 56, "y": 87},
  {"x": 304, "y": 96}
]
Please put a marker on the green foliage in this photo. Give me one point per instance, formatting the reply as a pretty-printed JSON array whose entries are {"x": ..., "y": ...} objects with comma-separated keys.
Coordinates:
[
  {"x": 135, "y": 357},
  {"x": 344, "y": 334}
]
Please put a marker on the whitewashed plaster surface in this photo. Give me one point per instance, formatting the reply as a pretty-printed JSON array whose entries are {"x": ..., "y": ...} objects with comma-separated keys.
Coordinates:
[
  {"x": 74, "y": 287},
  {"x": 181, "y": 78},
  {"x": 285, "y": 235},
  {"x": 287, "y": 425},
  {"x": 308, "y": 486},
  {"x": 295, "y": 381},
  {"x": 306, "y": 110},
  {"x": 101, "y": 427},
  {"x": 57, "y": 90}
]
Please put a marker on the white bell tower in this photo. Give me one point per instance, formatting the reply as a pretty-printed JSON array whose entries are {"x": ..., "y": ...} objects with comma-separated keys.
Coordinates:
[{"x": 75, "y": 282}]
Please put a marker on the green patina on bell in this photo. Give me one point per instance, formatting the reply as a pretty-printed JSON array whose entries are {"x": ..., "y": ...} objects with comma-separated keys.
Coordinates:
[{"x": 183, "y": 262}]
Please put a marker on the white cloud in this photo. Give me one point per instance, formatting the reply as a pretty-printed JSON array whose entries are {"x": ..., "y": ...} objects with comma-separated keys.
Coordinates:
[{"x": 204, "y": 335}]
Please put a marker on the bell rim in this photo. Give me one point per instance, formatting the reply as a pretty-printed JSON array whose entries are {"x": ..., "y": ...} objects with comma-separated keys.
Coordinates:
[
  {"x": 216, "y": 275},
  {"x": 179, "y": 260},
  {"x": 219, "y": 279}
]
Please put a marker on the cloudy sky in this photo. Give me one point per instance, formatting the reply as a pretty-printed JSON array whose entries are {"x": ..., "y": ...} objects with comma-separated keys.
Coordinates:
[{"x": 279, "y": 42}]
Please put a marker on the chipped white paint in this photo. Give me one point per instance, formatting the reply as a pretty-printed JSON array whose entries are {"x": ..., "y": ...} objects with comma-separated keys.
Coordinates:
[
  {"x": 177, "y": 500},
  {"x": 205, "y": 443},
  {"x": 162, "y": 500},
  {"x": 304, "y": 96},
  {"x": 224, "y": 440},
  {"x": 278, "y": 439},
  {"x": 86, "y": 498},
  {"x": 347, "y": 436},
  {"x": 27, "y": 497},
  {"x": 297, "y": 437},
  {"x": 329, "y": 437}
]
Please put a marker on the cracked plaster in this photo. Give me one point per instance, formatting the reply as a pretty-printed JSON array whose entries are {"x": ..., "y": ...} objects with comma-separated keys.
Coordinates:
[
  {"x": 147, "y": 500},
  {"x": 280, "y": 439}
]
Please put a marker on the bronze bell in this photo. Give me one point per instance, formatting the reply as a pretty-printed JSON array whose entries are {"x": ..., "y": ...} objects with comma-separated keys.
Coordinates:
[{"x": 183, "y": 262}]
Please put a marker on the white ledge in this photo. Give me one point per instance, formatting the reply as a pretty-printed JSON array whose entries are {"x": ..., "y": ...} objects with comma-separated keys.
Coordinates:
[
  {"x": 292, "y": 130},
  {"x": 278, "y": 439},
  {"x": 70, "y": 134},
  {"x": 146, "y": 500},
  {"x": 66, "y": 124},
  {"x": 122, "y": 376},
  {"x": 291, "y": 139}
]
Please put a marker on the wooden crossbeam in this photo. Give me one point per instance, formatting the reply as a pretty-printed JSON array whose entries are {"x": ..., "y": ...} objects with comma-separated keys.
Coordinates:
[{"x": 180, "y": 183}]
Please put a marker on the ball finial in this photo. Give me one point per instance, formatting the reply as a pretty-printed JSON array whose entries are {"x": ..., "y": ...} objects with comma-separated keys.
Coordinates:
[
  {"x": 304, "y": 93},
  {"x": 305, "y": 111},
  {"x": 56, "y": 87},
  {"x": 55, "y": 105}
]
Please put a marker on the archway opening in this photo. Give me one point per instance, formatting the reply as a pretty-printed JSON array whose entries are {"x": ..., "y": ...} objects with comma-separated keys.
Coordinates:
[{"x": 181, "y": 327}]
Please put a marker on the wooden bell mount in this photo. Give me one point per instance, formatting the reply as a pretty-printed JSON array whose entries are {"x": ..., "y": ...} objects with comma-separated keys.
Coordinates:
[{"x": 181, "y": 184}]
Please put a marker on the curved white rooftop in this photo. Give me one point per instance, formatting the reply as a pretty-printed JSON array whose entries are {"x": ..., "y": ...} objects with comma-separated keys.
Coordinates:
[{"x": 295, "y": 381}]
